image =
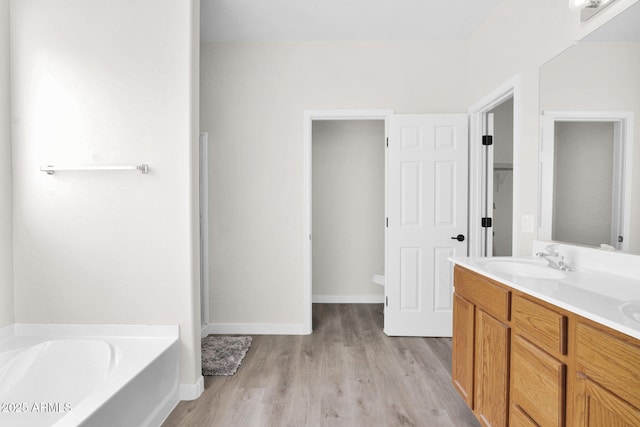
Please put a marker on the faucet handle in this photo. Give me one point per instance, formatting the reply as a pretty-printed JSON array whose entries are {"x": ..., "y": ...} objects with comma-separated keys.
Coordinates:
[{"x": 552, "y": 249}]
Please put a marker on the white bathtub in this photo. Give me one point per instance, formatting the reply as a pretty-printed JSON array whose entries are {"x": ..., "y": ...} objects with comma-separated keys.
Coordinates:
[{"x": 87, "y": 375}]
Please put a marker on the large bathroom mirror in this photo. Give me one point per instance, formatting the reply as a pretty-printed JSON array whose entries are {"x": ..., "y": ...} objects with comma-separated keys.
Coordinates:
[{"x": 589, "y": 152}]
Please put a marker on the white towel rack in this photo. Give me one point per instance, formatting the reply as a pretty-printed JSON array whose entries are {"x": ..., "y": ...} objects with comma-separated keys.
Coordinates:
[{"x": 50, "y": 169}]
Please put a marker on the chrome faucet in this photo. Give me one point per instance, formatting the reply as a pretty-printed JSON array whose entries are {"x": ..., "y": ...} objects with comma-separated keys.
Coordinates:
[{"x": 551, "y": 254}]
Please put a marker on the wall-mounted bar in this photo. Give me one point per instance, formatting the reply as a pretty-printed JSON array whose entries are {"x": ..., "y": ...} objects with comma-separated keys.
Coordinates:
[{"x": 50, "y": 169}]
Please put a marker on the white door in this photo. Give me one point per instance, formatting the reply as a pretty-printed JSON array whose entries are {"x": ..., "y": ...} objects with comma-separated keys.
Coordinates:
[{"x": 427, "y": 211}]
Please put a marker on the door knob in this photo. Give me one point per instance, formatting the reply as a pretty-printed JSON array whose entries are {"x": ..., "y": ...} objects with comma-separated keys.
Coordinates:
[{"x": 459, "y": 238}]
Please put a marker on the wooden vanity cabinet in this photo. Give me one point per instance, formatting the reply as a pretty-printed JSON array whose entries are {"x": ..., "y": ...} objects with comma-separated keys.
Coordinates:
[
  {"x": 523, "y": 362},
  {"x": 491, "y": 369},
  {"x": 538, "y": 370},
  {"x": 598, "y": 407},
  {"x": 480, "y": 359},
  {"x": 462, "y": 348},
  {"x": 607, "y": 386}
]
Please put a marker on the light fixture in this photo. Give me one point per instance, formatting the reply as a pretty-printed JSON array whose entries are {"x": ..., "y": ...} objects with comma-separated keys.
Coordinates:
[{"x": 583, "y": 4}]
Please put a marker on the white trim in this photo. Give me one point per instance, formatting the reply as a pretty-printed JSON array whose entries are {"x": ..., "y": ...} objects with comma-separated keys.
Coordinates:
[
  {"x": 203, "y": 177},
  {"x": 192, "y": 391},
  {"x": 309, "y": 116},
  {"x": 255, "y": 329},
  {"x": 348, "y": 299},
  {"x": 508, "y": 89},
  {"x": 624, "y": 128}
]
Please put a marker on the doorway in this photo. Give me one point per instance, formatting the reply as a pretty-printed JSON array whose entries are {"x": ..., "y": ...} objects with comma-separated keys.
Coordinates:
[
  {"x": 493, "y": 173},
  {"x": 348, "y": 210},
  {"x": 425, "y": 216},
  {"x": 499, "y": 172},
  {"x": 311, "y": 116}
]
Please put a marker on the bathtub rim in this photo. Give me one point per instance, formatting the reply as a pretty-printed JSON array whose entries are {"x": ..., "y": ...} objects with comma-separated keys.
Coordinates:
[{"x": 168, "y": 335}]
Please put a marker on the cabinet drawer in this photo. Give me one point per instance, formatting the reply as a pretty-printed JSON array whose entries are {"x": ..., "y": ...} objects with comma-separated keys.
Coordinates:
[
  {"x": 491, "y": 297},
  {"x": 611, "y": 361},
  {"x": 537, "y": 383},
  {"x": 540, "y": 325}
]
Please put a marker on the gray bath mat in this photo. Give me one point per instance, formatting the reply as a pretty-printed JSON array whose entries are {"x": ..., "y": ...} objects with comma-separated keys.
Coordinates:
[{"x": 223, "y": 355}]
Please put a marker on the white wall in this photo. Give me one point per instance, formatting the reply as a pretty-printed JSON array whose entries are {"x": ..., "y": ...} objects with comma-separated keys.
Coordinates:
[
  {"x": 252, "y": 100},
  {"x": 348, "y": 209},
  {"x": 517, "y": 39},
  {"x": 599, "y": 77},
  {"x": 6, "y": 222},
  {"x": 102, "y": 83},
  {"x": 253, "y": 96}
]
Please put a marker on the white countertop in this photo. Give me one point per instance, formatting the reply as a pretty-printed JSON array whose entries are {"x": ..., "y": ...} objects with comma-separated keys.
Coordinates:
[{"x": 594, "y": 294}]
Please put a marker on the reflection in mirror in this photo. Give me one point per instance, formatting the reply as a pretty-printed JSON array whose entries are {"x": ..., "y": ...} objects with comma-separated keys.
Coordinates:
[
  {"x": 583, "y": 176},
  {"x": 598, "y": 82}
]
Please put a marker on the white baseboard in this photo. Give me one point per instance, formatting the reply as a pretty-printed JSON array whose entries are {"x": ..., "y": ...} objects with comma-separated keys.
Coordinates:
[
  {"x": 348, "y": 299},
  {"x": 253, "y": 329},
  {"x": 192, "y": 391}
]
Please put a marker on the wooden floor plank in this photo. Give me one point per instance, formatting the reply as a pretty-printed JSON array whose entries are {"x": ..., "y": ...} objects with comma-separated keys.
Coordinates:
[{"x": 347, "y": 373}]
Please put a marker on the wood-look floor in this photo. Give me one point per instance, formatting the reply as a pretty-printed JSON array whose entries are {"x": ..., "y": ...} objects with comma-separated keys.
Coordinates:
[{"x": 347, "y": 373}]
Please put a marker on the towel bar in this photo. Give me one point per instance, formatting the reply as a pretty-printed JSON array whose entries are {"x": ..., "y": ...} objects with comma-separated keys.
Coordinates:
[{"x": 50, "y": 169}]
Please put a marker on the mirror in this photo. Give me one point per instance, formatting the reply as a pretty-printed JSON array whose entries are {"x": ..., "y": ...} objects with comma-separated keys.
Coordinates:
[{"x": 589, "y": 156}]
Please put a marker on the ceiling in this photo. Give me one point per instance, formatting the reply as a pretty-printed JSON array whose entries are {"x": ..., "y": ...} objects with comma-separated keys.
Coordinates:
[{"x": 332, "y": 20}]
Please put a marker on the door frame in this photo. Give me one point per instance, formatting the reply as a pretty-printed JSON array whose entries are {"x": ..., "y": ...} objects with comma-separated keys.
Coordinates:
[
  {"x": 309, "y": 117},
  {"x": 203, "y": 177},
  {"x": 508, "y": 89},
  {"x": 623, "y": 164}
]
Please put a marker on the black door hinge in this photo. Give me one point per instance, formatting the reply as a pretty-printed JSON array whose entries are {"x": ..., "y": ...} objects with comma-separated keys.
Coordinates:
[
  {"x": 487, "y": 140},
  {"x": 486, "y": 222},
  {"x": 386, "y": 301},
  {"x": 387, "y": 141},
  {"x": 387, "y": 221}
]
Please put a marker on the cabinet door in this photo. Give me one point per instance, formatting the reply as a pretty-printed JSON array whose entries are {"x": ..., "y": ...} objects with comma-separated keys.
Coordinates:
[
  {"x": 492, "y": 370},
  {"x": 517, "y": 418},
  {"x": 462, "y": 357},
  {"x": 595, "y": 406},
  {"x": 537, "y": 383}
]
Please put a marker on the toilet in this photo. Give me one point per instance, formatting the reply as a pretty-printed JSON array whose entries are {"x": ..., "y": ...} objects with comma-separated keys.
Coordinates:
[{"x": 378, "y": 279}]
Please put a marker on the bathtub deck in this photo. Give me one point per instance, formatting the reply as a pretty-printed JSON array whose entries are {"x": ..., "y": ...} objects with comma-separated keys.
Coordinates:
[{"x": 347, "y": 373}]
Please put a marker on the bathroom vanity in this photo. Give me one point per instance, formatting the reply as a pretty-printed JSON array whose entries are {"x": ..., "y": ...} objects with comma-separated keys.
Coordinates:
[{"x": 535, "y": 346}]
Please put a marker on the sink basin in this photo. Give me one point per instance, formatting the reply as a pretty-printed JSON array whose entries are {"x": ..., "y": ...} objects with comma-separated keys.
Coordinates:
[
  {"x": 534, "y": 270},
  {"x": 631, "y": 309}
]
